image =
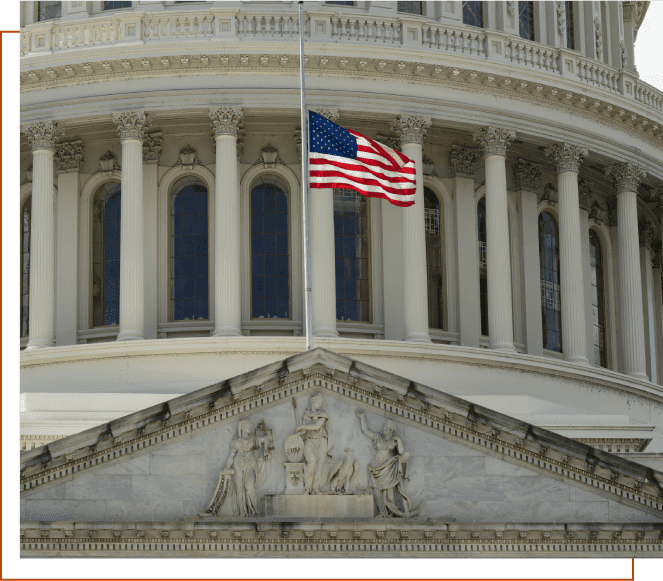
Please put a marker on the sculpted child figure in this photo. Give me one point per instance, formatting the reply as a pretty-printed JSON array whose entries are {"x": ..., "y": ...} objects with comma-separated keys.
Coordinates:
[
  {"x": 387, "y": 471},
  {"x": 315, "y": 430}
]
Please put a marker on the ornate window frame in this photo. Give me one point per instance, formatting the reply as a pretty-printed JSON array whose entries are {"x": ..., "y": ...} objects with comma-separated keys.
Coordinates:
[
  {"x": 164, "y": 190},
  {"x": 280, "y": 326},
  {"x": 85, "y": 327},
  {"x": 516, "y": 273},
  {"x": 443, "y": 193}
]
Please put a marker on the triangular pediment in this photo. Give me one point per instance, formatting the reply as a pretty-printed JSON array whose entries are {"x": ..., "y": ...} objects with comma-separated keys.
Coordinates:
[{"x": 464, "y": 462}]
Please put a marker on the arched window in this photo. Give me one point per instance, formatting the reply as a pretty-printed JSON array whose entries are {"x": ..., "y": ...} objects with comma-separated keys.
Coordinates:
[
  {"x": 433, "y": 221},
  {"x": 483, "y": 265},
  {"x": 473, "y": 13},
  {"x": 106, "y": 255},
  {"x": 49, "y": 10},
  {"x": 550, "y": 293},
  {"x": 526, "y": 20},
  {"x": 410, "y": 7},
  {"x": 352, "y": 249},
  {"x": 598, "y": 299},
  {"x": 570, "y": 26},
  {"x": 116, "y": 5},
  {"x": 189, "y": 256},
  {"x": 26, "y": 223},
  {"x": 270, "y": 250}
]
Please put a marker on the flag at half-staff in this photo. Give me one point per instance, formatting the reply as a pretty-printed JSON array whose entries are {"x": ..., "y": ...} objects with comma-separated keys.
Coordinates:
[{"x": 342, "y": 158}]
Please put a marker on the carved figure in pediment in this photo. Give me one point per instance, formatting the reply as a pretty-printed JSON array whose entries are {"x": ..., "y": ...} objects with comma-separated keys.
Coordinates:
[
  {"x": 343, "y": 474},
  {"x": 245, "y": 471},
  {"x": 387, "y": 472},
  {"x": 316, "y": 432}
]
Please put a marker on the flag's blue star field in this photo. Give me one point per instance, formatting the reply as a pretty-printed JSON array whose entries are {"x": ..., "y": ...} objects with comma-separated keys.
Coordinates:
[{"x": 329, "y": 138}]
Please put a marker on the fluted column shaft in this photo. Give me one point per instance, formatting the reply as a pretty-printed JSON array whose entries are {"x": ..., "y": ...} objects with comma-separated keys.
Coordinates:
[
  {"x": 42, "y": 136},
  {"x": 574, "y": 330},
  {"x": 627, "y": 177},
  {"x": 500, "y": 311},
  {"x": 132, "y": 127},
  {"x": 226, "y": 124},
  {"x": 411, "y": 131}
]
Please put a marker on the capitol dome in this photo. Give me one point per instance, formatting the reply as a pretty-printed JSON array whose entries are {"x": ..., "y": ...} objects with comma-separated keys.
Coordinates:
[{"x": 161, "y": 210}]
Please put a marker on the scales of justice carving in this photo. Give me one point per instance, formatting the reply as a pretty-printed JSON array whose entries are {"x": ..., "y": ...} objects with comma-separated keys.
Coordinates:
[{"x": 311, "y": 470}]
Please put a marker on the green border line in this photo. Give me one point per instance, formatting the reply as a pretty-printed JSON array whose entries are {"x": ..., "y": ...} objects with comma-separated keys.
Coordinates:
[{"x": 590, "y": 568}]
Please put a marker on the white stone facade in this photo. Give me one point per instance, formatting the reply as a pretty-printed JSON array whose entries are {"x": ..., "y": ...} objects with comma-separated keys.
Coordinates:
[{"x": 211, "y": 90}]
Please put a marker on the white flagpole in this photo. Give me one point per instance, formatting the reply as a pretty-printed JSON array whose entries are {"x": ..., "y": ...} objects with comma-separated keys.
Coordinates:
[{"x": 308, "y": 306}]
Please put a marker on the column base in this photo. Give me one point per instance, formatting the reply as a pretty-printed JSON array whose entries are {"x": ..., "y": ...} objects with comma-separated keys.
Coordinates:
[
  {"x": 506, "y": 346},
  {"x": 325, "y": 332},
  {"x": 578, "y": 360},
  {"x": 130, "y": 336},
  {"x": 639, "y": 375},
  {"x": 418, "y": 338},
  {"x": 39, "y": 344},
  {"x": 227, "y": 332}
]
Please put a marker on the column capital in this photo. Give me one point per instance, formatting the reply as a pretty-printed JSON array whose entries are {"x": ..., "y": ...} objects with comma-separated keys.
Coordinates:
[
  {"x": 132, "y": 124},
  {"x": 566, "y": 156},
  {"x": 626, "y": 176},
  {"x": 526, "y": 175},
  {"x": 646, "y": 233},
  {"x": 494, "y": 140},
  {"x": 69, "y": 156},
  {"x": 411, "y": 128},
  {"x": 43, "y": 134},
  {"x": 462, "y": 160},
  {"x": 152, "y": 147},
  {"x": 226, "y": 121},
  {"x": 331, "y": 114},
  {"x": 585, "y": 194}
]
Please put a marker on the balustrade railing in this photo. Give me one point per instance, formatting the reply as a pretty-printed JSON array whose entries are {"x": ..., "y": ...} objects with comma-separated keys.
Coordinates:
[{"x": 100, "y": 31}]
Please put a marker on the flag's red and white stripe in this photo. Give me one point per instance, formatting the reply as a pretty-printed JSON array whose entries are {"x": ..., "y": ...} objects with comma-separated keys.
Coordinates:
[{"x": 378, "y": 172}]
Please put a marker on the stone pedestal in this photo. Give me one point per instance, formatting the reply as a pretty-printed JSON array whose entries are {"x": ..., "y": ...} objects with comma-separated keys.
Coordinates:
[{"x": 319, "y": 505}]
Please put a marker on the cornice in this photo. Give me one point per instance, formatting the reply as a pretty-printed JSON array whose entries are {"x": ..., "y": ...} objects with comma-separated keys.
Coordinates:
[
  {"x": 621, "y": 112},
  {"x": 428, "y": 409}
]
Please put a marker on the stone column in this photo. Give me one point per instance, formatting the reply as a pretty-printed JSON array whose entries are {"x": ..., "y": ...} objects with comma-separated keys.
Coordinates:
[
  {"x": 323, "y": 266},
  {"x": 495, "y": 142},
  {"x": 527, "y": 179},
  {"x": 411, "y": 131},
  {"x": 572, "y": 287},
  {"x": 132, "y": 127},
  {"x": 627, "y": 177},
  {"x": 68, "y": 161},
  {"x": 585, "y": 196},
  {"x": 226, "y": 126},
  {"x": 461, "y": 162},
  {"x": 646, "y": 238},
  {"x": 42, "y": 136},
  {"x": 151, "y": 152}
]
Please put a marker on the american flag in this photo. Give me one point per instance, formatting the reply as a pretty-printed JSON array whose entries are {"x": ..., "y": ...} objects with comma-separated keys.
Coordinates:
[{"x": 341, "y": 158}]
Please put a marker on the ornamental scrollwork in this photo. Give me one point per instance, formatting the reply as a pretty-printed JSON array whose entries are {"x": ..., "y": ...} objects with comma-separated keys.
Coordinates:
[
  {"x": 612, "y": 211},
  {"x": 599, "y": 38},
  {"x": 462, "y": 160},
  {"x": 43, "y": 134},
  {"x": 526, "y": 175},
  {"x": 494, "y": 140},
  {"x": 561, "y": 16},
  {"x": 331, "y": 114},
  {"x": 187, "y": 158},
  {"x": 585, "y": 194},
  {"x": 567, "y": 157},
  {"x": 132, "y": 124},
  {"x": 108, "y": 162},
  {"x": 226, "y": 120},
  {"x": 411, "y": 128},
  {"x": 69, "y": 155},
  {"x": 626, "y": 176},
  {"x": 152, "y": 147}
]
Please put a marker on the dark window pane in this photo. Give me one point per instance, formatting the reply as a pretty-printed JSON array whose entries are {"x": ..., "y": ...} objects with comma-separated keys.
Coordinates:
[
  {"x": 49, "y": 10},
  {"x": 483, "y": 266},
  {"x": 434, "y": 260},
  {"x": 189, "y": 273},
  {"x": 570, "y": 26},
  {"x": 551, "y": 306},
  {"x": 410, "y": 7},
  {"x": 116, "y": 5},
  {"x": 352, "y": 255},
  {"x": 26, "y": 225},
  {"x": 598, "y": 299},
  {"x": 473, "y": 13},
  {"x": 526, "y": 20}
]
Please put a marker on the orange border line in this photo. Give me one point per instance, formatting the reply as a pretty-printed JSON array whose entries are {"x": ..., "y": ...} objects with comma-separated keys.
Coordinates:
[{"x": 632, "y": 578}]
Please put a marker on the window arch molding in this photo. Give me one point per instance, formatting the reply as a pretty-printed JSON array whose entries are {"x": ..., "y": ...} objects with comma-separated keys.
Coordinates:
[
  {"x": 443, "y": 193},
  {"x": 164, "y": 191},
  {"x": 603, "y": 232},
  {"x": 85, "y": 246},
  {"x": 515, "y": 255},
  {"x": 293, "y": 193}
]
